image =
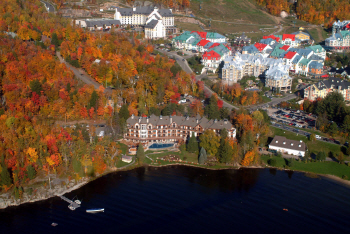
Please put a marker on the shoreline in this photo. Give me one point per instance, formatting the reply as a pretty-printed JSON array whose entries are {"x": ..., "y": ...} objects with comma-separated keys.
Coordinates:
[{"x": 333, "y": 178}]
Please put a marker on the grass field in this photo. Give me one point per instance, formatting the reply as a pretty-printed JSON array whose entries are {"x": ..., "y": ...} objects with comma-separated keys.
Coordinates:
[
  {"x": 231, "y": 10},
  {"x": 326, "y": 168},
  {"x": 187, "y": 26}
]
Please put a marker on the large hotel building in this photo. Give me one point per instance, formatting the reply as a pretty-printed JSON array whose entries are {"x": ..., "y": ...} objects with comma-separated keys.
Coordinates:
[{"x": 172, "y": 129}]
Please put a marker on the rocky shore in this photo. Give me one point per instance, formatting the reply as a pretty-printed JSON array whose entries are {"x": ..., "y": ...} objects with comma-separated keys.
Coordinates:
[{"x": 41, "y": 193}]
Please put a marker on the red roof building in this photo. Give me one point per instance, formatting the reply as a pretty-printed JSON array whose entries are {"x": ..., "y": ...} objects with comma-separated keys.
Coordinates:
[
  {"x": 211, "y": 55},
  {"x": 272, "y": 37},
  {"x": 290, "y": 55},
  {"x": 285, "y": 47},
  {"x": 203, "y": 42},
  {"x": 288, "y": 36},
  {"x": 260, "y": 46},
  {"x": 214, "y": 45},
  {"x": 201, "y": 34}
]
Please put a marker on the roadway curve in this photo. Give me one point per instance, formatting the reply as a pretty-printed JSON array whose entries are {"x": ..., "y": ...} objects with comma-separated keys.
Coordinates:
[
  {"x": 184, "y": 65},
  {"x": 82, "y": 75},
  {"x": 49, "y": 6}
]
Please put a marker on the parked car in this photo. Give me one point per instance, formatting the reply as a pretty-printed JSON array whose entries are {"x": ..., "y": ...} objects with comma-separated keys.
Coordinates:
[{"x": 318, "y": 137}]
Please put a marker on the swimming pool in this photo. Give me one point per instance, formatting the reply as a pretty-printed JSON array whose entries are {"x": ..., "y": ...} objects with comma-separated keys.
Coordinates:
[{"x": 160, "y": 146}]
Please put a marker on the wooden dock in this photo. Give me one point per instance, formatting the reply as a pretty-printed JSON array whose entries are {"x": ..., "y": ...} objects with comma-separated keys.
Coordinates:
[{"x": 72, "y": 203}]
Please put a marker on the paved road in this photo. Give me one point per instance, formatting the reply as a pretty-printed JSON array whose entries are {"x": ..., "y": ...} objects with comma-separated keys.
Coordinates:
[
  {"x": 184, "y": 65},
  {"x": 273, "y": 102},
  {"x": 82, "y": 75},
  {"x": 49, "y": 6}
]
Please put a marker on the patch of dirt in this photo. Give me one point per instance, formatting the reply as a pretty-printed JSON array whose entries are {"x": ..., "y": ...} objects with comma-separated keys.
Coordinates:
[{"x": 189, "y": 20}]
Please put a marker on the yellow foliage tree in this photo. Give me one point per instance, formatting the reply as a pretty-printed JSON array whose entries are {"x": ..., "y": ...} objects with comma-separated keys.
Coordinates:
[{"x": 33, "y": 155}]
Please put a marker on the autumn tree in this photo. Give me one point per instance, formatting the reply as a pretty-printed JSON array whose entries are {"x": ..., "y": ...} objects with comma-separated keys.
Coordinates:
[{"x": 210, "y": 142}]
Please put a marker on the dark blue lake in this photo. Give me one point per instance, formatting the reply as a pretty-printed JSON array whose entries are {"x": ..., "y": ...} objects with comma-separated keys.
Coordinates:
[{"x": 181, "y": 199}]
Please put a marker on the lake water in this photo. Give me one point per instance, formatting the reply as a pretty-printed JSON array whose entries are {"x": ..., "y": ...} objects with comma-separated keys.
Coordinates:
[{"x": 181, "y": 199}]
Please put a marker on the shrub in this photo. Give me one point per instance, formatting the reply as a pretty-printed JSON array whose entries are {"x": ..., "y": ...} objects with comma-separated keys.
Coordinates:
[{"x": 272, "y": 162}]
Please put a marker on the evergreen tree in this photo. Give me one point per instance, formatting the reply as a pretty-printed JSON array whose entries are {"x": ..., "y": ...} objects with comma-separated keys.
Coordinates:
[
  {"x": 5, "y": 176},
  {"x": 212, "y": 110},
  {"x": 192, "y": 145},
  {"x": 202, "y": 156},
  {"x": 124, "y": 112},
  {"x": 54, "y": 40},
  {"x": 225, "y": 151},
  {"x": 31, "y": 172},
  {"x": 93, "y": 100},
  {"x": 36, "y": 87},
  {"x": 321, "y": 156},
  {"x": 140, "y": 154}
]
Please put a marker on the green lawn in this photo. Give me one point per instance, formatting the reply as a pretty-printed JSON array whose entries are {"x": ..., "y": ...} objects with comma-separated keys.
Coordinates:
[
  {"x": 120, "y": 163},
  {"x": 327, "y": 168},
  {"x": 123, "y": 147}
]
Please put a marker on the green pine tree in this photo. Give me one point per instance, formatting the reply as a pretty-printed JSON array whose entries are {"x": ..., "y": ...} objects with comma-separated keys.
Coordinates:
[
  {"x": 36, "y": 87},
  {"x": 202, "y": 156},
  {"x": 140, "y": 154},
  {"x": 5, "y": 176},
  {"x": 192, "y": 145},
  {"x": 54, "y": 40},
  {"x": 124, "y": 112},
  {"x": 93, "y": 99}
]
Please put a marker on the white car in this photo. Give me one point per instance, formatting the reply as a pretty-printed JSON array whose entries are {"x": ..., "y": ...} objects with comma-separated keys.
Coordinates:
[{"x": 318, "y": 137}]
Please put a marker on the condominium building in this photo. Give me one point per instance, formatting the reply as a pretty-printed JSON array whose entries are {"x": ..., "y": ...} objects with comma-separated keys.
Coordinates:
[
  {"x": 240, "y": 65},
  {"x": 324, "y": 87},
  {"x": 277, "y": 78},
  {"x": 172, "y": 129}
]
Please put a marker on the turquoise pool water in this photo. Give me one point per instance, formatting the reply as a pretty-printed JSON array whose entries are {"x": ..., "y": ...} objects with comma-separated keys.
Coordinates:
[{"x": 160, "y": 146}]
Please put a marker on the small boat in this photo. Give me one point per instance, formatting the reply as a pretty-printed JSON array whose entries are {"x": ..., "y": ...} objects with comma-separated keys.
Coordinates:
[
  {"x": 95, "y": 210},
  {"x": 54, "y": 224},
  {"x": 71, "y": 207}
]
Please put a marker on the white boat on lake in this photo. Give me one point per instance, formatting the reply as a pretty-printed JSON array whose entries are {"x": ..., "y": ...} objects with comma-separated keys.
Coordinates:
[{"x": 95, "y": 210}]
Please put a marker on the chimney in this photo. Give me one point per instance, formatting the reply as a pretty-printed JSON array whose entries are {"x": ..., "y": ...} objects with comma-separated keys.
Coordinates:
[
  {"x": 140, "y": 119},
  {"x": 284, "y": 142},
  {"x": 291, "y": 144},
  {"x": 160, "y": 117},
  {"x": 276, "y": 141},
  {"x": 132, "y": 116},
  {"x": 147, "y": 118},
  {"x": 215, "y": 120},
  {"x": 171, "y": 10},
  {"x": 225, "y": 121},
  {"x": 197, "y": 120},
  {"x": 171, "y": 119},
  {"x": 134, "y": 9}
]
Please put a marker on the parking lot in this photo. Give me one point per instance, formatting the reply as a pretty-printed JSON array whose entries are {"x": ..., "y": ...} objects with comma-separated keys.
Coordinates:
[
  {"x": 289, "y": 119},
  {"x": 292, "y": 118}
]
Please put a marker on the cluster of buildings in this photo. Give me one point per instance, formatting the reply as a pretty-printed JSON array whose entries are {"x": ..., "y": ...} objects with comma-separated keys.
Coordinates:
[
  {"x": 171, "y": 129},
  {"x": 340, "y": 38},
  {"x": 276, "y": 74},
  {"x": 213, "y": 46},
  {"x": 157, "y": 23},
  {"x": 273, "y": 58}
]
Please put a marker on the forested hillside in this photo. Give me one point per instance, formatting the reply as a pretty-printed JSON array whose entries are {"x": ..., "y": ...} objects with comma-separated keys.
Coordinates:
[
  {"x": 313, "y": 11},
  {"x": 37, "y": 90}
]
